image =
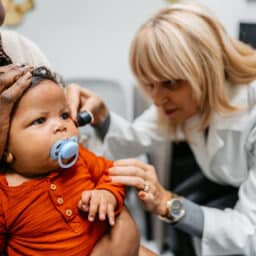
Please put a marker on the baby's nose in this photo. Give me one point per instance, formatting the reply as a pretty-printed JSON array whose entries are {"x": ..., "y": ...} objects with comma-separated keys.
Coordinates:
[{"x": 60, "y": 127}]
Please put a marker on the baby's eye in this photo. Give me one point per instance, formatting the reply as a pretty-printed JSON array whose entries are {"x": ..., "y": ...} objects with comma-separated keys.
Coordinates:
[
  {"x": 65, "y": 115},
  {"x": 38, "y": 121}
]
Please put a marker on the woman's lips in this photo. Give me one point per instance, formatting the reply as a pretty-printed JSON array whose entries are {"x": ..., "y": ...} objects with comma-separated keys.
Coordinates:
[{"x": 170, "y": 112}]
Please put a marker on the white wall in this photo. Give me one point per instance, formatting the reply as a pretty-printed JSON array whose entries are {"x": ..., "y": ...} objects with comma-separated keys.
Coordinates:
[{"x": 91, "y": 38}]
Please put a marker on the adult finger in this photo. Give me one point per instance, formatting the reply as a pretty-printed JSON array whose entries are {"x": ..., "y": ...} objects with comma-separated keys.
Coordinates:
[
  {"x": 73, "y": 99},
  {"x": 11, "y": 74},
  {"x": 13, "y": 93},
  {"x": 76, "y": 96},
  {"x": 136, "y": 182},
  {"x": 7, "y": 100},
  {"x": 147, "y": 198},
  {"x": 127, "y": 171},
  {"x": 133, "y": 162}
]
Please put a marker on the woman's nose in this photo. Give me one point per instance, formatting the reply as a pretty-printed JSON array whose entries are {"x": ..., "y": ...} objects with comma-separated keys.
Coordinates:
[{"x": 158, "y": 95}]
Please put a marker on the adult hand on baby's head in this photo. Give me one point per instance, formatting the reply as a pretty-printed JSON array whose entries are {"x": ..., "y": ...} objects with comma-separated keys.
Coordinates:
[
  {"x": 98, "y": 201},
  {"x": 81, "y": 99},
  {"x": 14, "y": 79}
]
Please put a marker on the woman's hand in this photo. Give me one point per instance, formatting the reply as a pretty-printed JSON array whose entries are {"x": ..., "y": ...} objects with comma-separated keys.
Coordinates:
[
  {"x": 132, "y": 172},
  {"x": 81, "y": 99},
  {"x": 14, "y": 80}
]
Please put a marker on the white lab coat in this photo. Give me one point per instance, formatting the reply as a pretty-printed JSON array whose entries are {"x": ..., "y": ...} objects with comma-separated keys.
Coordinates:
[{"x": 228, "y": 157}]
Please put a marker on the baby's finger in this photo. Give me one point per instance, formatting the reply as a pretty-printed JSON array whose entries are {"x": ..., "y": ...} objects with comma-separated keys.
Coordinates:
[
  {"x": 102, "y": 210},
  {"x": 111, "y": 214},
  {"x": 85, "y": 197},
  {"x": 85, "y": 201},
  {"x": 82, "y": 206},
  {"x": 94, "y": 206}
]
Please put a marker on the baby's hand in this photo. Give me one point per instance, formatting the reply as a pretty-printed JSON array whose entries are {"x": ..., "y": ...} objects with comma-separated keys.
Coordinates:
[{"x": 101, "y": 201}]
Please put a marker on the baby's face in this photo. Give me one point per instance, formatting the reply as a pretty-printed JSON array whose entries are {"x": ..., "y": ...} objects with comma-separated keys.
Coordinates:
[{"x": 42, "y": 117}]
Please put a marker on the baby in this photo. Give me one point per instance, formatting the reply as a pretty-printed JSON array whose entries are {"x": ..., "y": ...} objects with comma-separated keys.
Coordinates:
[{"x": 38, "y": 198}]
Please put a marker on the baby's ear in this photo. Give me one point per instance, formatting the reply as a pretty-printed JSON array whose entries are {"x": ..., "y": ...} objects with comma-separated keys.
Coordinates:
[{"x": 8, "y": 157}]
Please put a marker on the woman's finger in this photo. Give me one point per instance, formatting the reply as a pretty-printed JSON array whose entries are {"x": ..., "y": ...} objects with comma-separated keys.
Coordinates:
[
  {"x": 147, "y": 198},
  {"x": 132, "y": 162},
  {"x": 79, "y": 99},
  {"x": 134, "y": 181},
  {"x": 73, "y": 99},
  {"x": 128, "y": 171}
]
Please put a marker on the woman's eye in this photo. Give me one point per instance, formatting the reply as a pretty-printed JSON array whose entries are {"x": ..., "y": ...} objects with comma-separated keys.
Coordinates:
[
  {"x": 65, "y": 115},
  {"x": 150, "y": 87},
  {"x": 170, "y": 84},
  {"x": 38, "y": 121}
]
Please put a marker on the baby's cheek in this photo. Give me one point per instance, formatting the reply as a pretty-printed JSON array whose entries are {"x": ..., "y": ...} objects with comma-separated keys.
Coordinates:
[{"x": 73, "y": 131}]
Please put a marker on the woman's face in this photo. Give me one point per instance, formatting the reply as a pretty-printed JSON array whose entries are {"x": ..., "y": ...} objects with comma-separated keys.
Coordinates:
[{"x": 175, "y": 99}]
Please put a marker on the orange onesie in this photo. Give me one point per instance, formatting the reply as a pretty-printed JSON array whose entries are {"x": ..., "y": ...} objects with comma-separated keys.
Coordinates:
[{"x": 40, "y": 216}]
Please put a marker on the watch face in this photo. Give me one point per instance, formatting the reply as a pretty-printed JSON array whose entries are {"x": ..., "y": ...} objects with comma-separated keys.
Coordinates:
[
  {"x": 176, "y": 211},
  {"x": 176, "y": 208}
]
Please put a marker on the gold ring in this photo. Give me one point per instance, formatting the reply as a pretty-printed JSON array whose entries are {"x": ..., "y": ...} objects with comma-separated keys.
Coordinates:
[{"x": 146, "y": 187}]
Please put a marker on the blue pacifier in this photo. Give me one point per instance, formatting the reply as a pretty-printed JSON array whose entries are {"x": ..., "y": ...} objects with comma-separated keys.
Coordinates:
[{"x": 65, "y": 149}]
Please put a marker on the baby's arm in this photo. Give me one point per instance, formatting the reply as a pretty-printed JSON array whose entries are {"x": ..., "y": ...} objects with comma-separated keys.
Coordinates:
[
  {"x": 108, "y": 197},
  {"x": 99, "y": 201}
]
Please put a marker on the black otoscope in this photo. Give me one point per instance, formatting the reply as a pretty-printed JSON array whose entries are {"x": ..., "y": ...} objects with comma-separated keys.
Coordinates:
[{"x": 84, "y": 118}]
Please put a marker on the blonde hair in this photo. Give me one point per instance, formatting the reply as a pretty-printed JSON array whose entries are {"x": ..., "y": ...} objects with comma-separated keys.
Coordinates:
[{"x": 185, "y": 41}]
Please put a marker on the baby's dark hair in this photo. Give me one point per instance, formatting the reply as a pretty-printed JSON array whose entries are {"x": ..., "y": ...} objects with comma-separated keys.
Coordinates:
[
  {"x": 42, "y": 73},
  {"x": 39, "y": 74}
]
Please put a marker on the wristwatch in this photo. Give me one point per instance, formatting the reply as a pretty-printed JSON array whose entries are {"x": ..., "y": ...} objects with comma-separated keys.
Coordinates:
[{"x": 175, "y": 211}]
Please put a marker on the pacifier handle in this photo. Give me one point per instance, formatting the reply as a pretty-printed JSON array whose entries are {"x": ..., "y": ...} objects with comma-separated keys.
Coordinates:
[
  {"x": 84, "y": 118},
  {"x": 65, "y": 149}
]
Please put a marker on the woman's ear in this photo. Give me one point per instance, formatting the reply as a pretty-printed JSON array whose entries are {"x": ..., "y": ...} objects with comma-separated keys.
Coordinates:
[{"x": 8, "y": 157}]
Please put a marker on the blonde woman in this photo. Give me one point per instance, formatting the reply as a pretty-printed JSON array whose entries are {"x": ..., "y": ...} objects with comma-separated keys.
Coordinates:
[{"x": 202, "y": 84}]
